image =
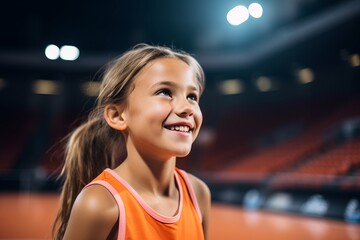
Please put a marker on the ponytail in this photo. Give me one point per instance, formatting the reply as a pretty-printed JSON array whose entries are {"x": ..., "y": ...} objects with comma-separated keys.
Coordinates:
[{"x": 91, "y": 148}]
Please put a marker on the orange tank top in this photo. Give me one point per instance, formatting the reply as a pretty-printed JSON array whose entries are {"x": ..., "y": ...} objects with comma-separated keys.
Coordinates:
[{"x": 139, "y": 221}]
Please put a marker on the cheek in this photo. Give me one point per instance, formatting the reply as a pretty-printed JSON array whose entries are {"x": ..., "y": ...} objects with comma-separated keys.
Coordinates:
[
  {"x": 198, "y": 116},
  {"x": 159, "y": 111},
  {"x": 198, "y": 121}
]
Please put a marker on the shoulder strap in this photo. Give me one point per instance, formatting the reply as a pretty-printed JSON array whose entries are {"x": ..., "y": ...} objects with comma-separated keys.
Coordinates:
[
  {"x": 191, "y": 192},
  {"x": 120, "y": 204}
]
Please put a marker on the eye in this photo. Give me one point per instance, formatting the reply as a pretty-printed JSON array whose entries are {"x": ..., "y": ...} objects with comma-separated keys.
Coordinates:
[
  {"x": 164, "y": 92},
  {"x": 193, "y": 97}
]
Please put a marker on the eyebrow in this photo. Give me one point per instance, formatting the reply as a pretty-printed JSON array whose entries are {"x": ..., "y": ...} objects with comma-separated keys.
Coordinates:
[{"x": 172, "y": 84}]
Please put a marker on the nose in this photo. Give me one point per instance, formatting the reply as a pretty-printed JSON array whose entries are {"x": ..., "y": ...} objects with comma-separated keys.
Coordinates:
[{"x": 183, "y": 107}]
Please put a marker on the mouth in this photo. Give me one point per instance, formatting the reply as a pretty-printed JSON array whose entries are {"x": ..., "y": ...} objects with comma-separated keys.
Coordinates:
[{"x": 180, "y": 128}]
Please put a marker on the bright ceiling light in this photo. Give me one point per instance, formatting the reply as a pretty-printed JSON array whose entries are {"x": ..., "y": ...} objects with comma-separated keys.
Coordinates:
[
  {"x": 52, "y": 52},
  {"x": 255, "y": 10},
  {"x": 69, "y": 53},
  {"x": 237, "y": 15}
]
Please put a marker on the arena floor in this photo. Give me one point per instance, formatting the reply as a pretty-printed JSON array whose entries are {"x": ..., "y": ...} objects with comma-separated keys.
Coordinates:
[{"x": 30, "y": 216}]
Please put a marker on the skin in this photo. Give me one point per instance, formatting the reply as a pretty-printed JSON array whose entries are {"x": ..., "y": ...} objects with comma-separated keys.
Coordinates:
[{"x": 165, "y": 94}]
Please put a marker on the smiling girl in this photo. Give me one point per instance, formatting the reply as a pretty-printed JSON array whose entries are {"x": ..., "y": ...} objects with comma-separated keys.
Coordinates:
[{"x": 121, "y": 180}]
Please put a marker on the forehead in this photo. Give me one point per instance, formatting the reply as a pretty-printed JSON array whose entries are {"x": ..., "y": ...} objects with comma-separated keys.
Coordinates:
[{"x": 166, "y": 69}]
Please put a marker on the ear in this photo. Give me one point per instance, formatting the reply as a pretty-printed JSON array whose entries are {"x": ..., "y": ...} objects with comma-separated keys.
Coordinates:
[{"x": 115, "y": 116}]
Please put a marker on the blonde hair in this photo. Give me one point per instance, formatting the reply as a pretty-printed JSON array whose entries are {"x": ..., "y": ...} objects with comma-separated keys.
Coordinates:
[{"x": 95, "y": 146}]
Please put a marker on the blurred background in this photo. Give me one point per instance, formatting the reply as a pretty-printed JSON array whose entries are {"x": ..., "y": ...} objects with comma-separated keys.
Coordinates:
[{"x": 280, "y": 143}]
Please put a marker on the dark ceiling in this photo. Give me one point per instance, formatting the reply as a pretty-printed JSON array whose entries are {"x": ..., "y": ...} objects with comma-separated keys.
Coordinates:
[{"x": 311, "y": 32}]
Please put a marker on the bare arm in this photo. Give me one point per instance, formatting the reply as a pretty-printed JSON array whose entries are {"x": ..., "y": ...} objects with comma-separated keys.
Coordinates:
[
  {"x": 93, "y": 215},
  {"x": 203, "y": 196}
]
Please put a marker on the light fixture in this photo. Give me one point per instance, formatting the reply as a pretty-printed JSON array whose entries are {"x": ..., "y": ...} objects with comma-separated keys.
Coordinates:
[
  {"x": 66, "y": 52},
  {"x": 355, "y": 60},
  {"x": 255, "y": 10},
  {"x": 52, "y": 52},
  {"x": 237, "y": 15},
  {"x": 46, "y": 87},
  {"x": 305, "y": 75},
  {"x": 231, "y": 86},
  {"x": 69, "y": 53},
  {"x": 91, "y": 88},
  {"x": 263, "y": 84}
]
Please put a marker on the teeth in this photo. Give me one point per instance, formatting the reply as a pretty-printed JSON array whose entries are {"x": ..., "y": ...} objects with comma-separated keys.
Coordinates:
[{"x": 180, "y": 128}]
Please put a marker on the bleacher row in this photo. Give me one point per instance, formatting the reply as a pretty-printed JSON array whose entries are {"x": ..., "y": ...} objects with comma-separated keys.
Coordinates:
[
  {"x": 325, "y": 153},
  {"x": 31, "y": 150},
  {"x": 312, "y": 169},
  {"x": 17, "y": 130},
  {"x": 251, "y": 146}
]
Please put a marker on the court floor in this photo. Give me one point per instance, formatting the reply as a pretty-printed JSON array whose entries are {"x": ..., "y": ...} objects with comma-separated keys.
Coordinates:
[{"x": 30, "y": 216}]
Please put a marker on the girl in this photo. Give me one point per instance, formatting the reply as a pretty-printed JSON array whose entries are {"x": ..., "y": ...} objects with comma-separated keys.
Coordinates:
[{"x": 121, "y": 180}]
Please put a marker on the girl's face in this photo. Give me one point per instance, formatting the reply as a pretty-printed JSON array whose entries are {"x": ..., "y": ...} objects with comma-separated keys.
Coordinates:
[{"x": 163, "y": 116}]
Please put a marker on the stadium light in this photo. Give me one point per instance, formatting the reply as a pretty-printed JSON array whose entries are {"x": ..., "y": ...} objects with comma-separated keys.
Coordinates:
[
  {"x": 66, "y": 52},
  {"x": 52, "y": 52},
  {"x": 255, "y": 10},
  {"x": 69, "y": 53},
  {"x": 237, "y": 15}
]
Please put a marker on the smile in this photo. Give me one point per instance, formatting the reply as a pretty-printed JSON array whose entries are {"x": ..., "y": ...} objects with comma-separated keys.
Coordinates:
[{"x": 179, "y": 128}]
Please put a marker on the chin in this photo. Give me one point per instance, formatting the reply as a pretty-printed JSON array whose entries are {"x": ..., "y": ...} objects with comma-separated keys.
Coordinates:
[{"x": 183, "y": 153}]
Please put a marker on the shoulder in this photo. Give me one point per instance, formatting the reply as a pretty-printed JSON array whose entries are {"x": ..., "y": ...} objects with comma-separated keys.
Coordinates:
[
  {"x": 94, "y": 213},
  {"x": 95, "y": 200},
  {"x": 202, "y": 191}
]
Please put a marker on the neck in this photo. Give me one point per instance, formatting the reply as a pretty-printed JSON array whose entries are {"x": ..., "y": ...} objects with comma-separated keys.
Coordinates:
[{"x": 149, "y": 176}]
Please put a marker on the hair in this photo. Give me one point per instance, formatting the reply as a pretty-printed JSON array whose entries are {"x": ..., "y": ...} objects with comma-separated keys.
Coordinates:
[{"x": 94, "y": 145}]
